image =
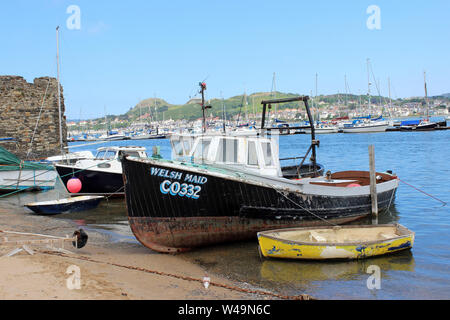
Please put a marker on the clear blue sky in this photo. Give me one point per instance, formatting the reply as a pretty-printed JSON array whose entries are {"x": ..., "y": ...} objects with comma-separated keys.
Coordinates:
[{"x": 130, "y": 50}]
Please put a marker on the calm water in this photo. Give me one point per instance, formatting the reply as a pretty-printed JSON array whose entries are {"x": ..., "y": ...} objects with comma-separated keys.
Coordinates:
[{"x": 419, "y": 158}]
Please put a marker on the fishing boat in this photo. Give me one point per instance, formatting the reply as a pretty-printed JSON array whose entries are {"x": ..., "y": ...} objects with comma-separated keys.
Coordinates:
[
  {"x": 231, "y": 187},
  {"x": 68, "y": 205},
  {"x": 17, "y": 175},
  {"x": 101, "y": 175},
  {"x": 339, "y": 242}
]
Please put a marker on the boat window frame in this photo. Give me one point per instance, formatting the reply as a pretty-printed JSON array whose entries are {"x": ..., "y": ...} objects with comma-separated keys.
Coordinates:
[
  {"x": 235, "y": 146},
  {"x": 106, "y": 151},
  {"x": 255, "y": 143},
  {"x": 273, "y": 162},
  {"x": 198, "y": 144}
]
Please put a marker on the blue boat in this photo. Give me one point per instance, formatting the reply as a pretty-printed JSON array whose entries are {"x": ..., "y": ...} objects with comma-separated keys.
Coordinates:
[{"x": 68, "y": 205}]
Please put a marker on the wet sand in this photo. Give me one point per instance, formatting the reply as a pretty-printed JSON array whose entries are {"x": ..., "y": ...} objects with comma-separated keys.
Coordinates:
[{"x": 43, "y": 276}]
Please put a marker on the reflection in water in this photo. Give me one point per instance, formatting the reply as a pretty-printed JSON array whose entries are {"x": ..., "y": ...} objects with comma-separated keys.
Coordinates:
[{"x": 292, "y": 272}]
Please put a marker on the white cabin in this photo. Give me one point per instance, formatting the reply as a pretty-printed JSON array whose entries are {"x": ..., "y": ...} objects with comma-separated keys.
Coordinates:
[{"x": 250, "y": 153}]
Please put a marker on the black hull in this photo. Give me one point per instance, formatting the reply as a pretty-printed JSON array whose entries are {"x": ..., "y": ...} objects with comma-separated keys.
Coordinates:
[
  {"x": 225, "y": 209},
  {"x": 93, "y": 182}
]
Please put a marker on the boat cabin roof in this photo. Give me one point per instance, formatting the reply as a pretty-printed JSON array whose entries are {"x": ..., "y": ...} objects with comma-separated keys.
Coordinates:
[
  {"x": 254, "y": 153},
  {"x": 113, "y": 152}
]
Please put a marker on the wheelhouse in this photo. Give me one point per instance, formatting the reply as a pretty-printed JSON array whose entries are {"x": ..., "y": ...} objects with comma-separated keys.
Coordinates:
[{"x": 255, "y": 154}]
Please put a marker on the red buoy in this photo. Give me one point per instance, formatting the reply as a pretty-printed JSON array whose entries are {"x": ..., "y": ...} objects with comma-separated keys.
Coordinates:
[
  {"x": 74, "y": 185},
  {"x": 353, "y": 185}
]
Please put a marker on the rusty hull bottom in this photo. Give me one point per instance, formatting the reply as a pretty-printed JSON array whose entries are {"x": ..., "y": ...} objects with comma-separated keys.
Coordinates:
[{"x": 176, "y": 235}]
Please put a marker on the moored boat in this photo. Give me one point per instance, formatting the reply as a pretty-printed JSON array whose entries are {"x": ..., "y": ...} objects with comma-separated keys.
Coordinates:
[
  {"x": 231, "y": 187},
  {"x": 341, "y": 242},
  {"x": 68, "y": 205},
  {"x": 101, "y": 175},
  {"x": 17, "y": 175}
]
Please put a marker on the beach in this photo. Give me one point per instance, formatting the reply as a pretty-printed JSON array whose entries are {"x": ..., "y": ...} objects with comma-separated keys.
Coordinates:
[{"x": 43, "y": 276}]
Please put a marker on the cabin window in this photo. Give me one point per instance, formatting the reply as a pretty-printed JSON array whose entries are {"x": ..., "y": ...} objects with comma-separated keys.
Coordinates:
[
  {"x": 227, "y": 151},
  {"x": 187, "y": 146},
  {"x": 107, "y": 155},
  {"x": 178, "y": 148},
  {"x": 201, "y": 152},
  {"x": 267, "y": 153},
  {"x": 252, "y": 158}
]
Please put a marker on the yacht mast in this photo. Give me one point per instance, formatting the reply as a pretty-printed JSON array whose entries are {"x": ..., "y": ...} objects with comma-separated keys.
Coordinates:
[
  {"x": 368, "y": 85},
  {"x": 59, "y": 92},
  {"x": 426, "y": 94}
]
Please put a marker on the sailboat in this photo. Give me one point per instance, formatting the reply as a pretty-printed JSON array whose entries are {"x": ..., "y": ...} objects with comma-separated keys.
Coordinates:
[
  {"x": 322, "y": 128},
  {"x": 424, "y": 124},
  {"x": 366, "y": 124}
]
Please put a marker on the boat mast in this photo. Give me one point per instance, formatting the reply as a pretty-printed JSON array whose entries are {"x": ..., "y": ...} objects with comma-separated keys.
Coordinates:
[
  {"x": 59, "y": 92},
  {"x": 274, "y": 92},
  {"x": 223, "y": 113},
  {"x": 202, "y": 91},
  {"x": 368, "y": 85},
  {"x": 316, "y": 104},
  {"x": 426, "y": 94}
]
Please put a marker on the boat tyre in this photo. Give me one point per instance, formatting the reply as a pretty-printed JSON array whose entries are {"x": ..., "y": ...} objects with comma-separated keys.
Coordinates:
[{"x": 82, "y": 239}]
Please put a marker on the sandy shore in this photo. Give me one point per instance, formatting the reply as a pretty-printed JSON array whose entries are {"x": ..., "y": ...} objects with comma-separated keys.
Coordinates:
[{"x": 43, "y": 276}]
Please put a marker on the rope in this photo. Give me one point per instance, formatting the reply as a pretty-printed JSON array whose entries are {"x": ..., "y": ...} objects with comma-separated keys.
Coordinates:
[
  {"x": 319, "y": 217},
  {"x": 39, "y": 117},
  {"x": 186, "y": 278},
  {"x": 443, "y": 202}
]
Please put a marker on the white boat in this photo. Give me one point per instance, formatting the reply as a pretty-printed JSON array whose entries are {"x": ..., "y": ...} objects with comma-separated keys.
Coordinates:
[
  {"x": 145, "y": 136},
  {"x": 101, "y": 175},
  {"x": 323, "y": 129},
  {"x": 366, "y": 127},
  {"x": 113, "y": 137},
  {"x": 17, "y": 175},
  {"x": 71, "y": 157}
]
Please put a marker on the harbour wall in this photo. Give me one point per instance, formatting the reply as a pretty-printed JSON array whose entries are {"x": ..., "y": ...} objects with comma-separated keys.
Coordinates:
[{"x": 29, "y": 114}]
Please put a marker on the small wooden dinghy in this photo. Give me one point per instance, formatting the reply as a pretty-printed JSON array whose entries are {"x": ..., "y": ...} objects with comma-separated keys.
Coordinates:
[
  {"x": 67, "y": 205},
  {"x": 344, "y": 242}
]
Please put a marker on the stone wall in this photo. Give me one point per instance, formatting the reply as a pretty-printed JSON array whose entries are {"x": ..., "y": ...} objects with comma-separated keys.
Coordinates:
[{"x": 20, "y": 105}]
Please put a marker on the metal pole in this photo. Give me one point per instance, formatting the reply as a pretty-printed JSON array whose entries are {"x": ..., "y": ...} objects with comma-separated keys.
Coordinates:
[
  {"x": 59, "y": 93},
  {"x": 373, "y": 181},
  {"x": 203, "y": 106}
]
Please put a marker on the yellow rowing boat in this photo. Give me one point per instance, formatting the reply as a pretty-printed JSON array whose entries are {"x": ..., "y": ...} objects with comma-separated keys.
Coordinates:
[{"x": 341, "y": 242}]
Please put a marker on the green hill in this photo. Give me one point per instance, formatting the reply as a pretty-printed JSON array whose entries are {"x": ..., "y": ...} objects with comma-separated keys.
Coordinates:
[{"x": 193, "y": 111}]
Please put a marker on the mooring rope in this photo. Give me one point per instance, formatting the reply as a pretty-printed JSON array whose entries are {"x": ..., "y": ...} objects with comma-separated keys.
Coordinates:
[
  {"x": 186, "y": 278},
  {"x": 317, "y": 216},
  {"x": 443, "y": 202}
]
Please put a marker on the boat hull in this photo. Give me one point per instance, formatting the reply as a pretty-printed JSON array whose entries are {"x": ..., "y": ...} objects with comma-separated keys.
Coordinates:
[
  {"x": 273, "y": 247},
  {"x": 69, "y": 206},
  {"x": 93, "y": 182},
  {"x": 225, "y": 209},
  {"x": 366, "y": 129},
  {"x": 27, "y": 180}
]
